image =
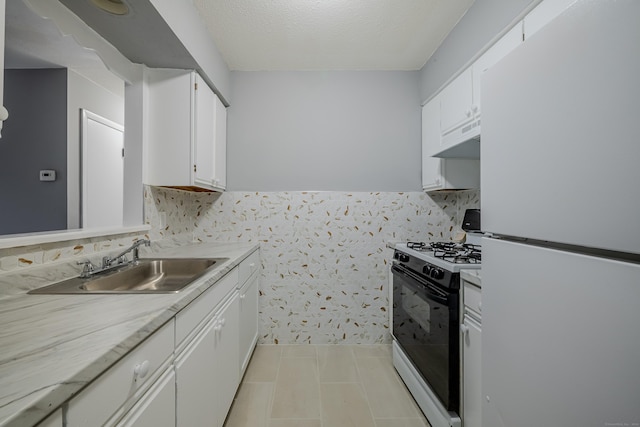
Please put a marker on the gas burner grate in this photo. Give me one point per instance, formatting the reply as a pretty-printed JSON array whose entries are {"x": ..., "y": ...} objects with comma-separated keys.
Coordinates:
[
  {"x": 418, "y": 246},
  {"x": 458, "y": 253}
]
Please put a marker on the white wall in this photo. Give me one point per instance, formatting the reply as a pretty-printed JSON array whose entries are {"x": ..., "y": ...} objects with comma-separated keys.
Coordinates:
[
  {"x": 477, "y": 28},
  {"x": 334, "y": 130}
]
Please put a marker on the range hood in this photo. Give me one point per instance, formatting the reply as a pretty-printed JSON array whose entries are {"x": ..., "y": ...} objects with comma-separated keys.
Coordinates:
[{"x": 462, "y": 142}]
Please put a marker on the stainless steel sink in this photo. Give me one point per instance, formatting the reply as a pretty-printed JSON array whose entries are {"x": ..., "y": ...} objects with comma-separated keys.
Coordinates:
[{"x": 145, "y": 276}]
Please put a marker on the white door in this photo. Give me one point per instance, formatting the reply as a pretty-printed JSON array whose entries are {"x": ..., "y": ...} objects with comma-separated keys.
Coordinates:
[{"x": 102, "y": 184}]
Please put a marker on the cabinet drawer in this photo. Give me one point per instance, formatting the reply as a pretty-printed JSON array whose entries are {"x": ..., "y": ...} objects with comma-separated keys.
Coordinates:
[
  {"x": 248, "y": 266},
  {"x": 157, "y": 407},
  {"x": 472, "y": 297},
  {"x": 194, "y": 314},
  {"x": 110, "y": 391}
]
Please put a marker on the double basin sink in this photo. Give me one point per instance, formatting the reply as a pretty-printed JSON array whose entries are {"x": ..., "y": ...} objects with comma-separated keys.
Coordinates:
[{"x": 144, "y": 276}]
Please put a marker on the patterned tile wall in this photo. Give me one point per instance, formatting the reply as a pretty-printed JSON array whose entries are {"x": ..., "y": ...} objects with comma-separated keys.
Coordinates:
[
  {"x": 324, "y": 254},
  {"x": 12, "y": 259}
]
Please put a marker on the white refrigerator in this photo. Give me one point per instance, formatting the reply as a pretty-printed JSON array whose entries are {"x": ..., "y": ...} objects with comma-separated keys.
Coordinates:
[{"x": 560, "y": 157}]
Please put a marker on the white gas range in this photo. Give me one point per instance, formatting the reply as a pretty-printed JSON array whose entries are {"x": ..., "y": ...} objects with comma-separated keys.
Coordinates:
[{"x": 426, "y": 321}]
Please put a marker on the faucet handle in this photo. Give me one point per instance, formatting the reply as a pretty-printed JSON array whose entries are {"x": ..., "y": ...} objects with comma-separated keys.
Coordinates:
[{"x": 87, "y": 269}]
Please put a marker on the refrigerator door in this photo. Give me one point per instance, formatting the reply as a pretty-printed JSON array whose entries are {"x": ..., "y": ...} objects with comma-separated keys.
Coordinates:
[
  {"x": 560, "y": 338},
  {"x": 561, "y": 131}
]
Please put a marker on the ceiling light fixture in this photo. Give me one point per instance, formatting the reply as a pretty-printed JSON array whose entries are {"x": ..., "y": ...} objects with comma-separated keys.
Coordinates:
[{"x": 115, "y": 7}]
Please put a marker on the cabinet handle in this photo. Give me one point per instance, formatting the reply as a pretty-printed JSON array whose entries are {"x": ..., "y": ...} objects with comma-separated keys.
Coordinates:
[
  {"x": 218, "y": 327},
  {"x": 243, "y": 296},
  {"x": 474, "y": 108},
  {"x": 468, "y": 112},
  {"x": 222, "y": 322},
  {"x": 479, "y": 305},
  {"x": 141, "y": 369},
  {"x": 464, "y": 329}
]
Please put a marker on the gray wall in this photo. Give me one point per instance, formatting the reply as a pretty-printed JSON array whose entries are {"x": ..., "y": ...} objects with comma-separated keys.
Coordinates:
[
  {"x": 34, "y": 138},
  {"x": 484, "y": 20},
  {"x": 334, "y": 130}
]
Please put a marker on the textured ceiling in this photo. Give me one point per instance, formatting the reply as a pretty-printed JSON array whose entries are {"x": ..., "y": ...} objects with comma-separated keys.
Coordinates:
[{"x": 329, "y": 34}]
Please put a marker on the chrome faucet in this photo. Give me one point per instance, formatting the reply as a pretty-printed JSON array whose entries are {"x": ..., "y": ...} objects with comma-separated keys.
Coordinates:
[
  {"x": 111, "y": 263},
  {"x": 121, "y": 258}
]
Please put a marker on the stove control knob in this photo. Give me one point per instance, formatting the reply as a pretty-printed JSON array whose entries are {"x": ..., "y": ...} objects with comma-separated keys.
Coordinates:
[
  {"x": 427, "y": 269},
  {"x": 402, "y": 257},
  {"x": 436, "y": 273}
]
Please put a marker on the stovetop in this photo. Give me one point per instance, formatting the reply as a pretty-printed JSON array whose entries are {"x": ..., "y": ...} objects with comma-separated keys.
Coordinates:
[{"x": 448, "y": 255}]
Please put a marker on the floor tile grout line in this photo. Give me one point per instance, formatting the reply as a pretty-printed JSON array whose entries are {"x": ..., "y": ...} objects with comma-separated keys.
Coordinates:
[
  {"x": 320, "y": 405},
  {"x": 361, "y": 386},
  {"x": 273, "y": 390}
]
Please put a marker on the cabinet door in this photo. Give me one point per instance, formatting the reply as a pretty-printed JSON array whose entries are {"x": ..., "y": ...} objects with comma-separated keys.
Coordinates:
[
  {"x": 472, "y": 394},
  {"x": 456, "y": 102},
  {"x": 544, "y": 13},
  {"x": 196, "y": 388},
  {"x": 227, "y": 363},
  {"x": 220, "y": 145},
  {"x": 495, "y": 53},
  {"x": 205, "y": 105},
  {"x": 167, "y": 150},
  {"x": 157, "y": 408},
  {"x": 248, "y": 320},
  {"x": 431, "y": 166}
]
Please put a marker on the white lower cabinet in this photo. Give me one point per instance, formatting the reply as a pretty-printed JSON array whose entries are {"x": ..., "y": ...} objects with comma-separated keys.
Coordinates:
[
  {"x": 157, "y": 407},
  {"x": 196, "y": 388},
  {"x": 106, "y": 400},
  {"x": 248, "y": 295},
  {"x": 207, "y": 370},
  {"x": 227, "y": 358},
  {"x": 184, "y": 374},
  {"x": 471, "y": 357},
  {"x": 472, "y": 414}
]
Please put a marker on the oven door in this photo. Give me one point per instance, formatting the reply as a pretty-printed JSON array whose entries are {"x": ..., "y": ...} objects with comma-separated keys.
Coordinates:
[{"x": 425, "y": 325}]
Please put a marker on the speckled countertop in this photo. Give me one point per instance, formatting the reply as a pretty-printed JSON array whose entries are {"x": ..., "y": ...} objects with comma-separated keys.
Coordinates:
[
  {"x": 472, "y": 275},
  {"x": 51, "y": 346}
]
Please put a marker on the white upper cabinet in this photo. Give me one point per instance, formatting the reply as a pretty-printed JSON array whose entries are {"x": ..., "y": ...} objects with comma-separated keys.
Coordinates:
[
  {"x": 544, "y": 13},
  {"x": 431, "y": 166},
  {"x": 220, "y": 145},
  {"x": 456, "y": 102},
  {"x": 186, "y": 144},
  {"x": 210, "y": 138},
  {"x": 460, "y": 102},
  {"x": 495, "y": 53},
  {"x": 443, "y": 174}
]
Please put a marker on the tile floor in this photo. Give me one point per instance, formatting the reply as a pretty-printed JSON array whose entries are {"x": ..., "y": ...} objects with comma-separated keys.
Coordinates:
[{"x": 323, "y": 386}]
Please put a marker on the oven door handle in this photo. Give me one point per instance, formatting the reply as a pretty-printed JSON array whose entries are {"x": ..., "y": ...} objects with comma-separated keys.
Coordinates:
[{"x": 421, "y": 285}]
